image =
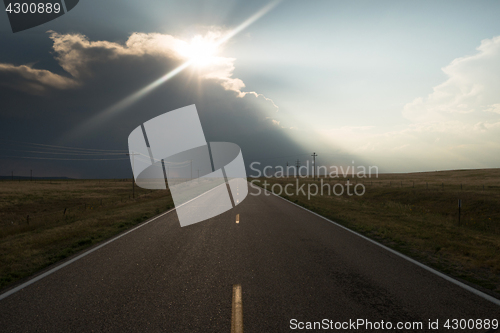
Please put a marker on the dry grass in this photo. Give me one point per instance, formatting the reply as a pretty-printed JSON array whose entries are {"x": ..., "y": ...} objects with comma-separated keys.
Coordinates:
[
  {"x": 40, "y": 198},
  {"x": 95, "y": 210},
  {"x": 420, "y": 218}
]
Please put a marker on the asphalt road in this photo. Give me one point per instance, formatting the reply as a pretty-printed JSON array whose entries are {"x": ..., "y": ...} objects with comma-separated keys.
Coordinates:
[{"x": 290, "y": 264}]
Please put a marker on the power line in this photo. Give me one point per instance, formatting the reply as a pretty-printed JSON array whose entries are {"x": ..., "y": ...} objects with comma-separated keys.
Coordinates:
[
  {"x": 54, "y": 147},
  {"x": 59, "y": 153},
  {"x": 294, "y": 155},
  {"x": 275, "y": 158},
  {"x": 65, "y": 159}
]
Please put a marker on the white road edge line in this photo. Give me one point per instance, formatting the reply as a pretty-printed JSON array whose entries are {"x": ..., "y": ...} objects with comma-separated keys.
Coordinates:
[
  {"x": 41, "y": 276},
  {"x": 64, "y": 264},
  {"x": 432, "y": 270}
]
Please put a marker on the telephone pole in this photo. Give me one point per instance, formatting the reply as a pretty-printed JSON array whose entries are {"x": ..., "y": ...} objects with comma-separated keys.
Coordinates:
[
  {"x": 133, "y": 175},
  {"x": 314, "y": 165},
  {"x": 459, "y": 207},
  {"x": 297, "y": 166},
  {"x": 287, "y": 170}
]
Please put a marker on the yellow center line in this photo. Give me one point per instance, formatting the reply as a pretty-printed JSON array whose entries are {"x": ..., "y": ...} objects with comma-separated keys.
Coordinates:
[
  {"x": 237, "y": 218},
  {"x": 237, "y": 310}
]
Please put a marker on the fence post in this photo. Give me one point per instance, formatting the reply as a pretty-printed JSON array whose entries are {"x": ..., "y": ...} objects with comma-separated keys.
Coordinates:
[
  {"x": 459, "y": 207},
  {"x": 64, "y": 213}
]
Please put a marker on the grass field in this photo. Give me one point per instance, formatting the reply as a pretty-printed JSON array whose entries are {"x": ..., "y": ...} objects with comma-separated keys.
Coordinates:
[
  {"x": 417, "y": 214},
  {"x": 65, "y": 217}
]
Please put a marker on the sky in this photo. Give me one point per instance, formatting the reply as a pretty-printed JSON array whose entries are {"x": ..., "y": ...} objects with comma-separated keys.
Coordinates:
[{"x": 405, "y": 86}]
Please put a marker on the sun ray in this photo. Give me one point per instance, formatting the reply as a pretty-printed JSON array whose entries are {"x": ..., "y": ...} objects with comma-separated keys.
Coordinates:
[{"x": 199, "y": 55}]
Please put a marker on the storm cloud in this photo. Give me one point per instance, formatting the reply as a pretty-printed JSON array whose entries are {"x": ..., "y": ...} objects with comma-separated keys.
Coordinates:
[{"x": 41, "y": 106}]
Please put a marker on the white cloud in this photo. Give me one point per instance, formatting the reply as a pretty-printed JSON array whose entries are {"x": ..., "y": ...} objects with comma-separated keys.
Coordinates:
[
  {"x": 470, "y": 90},
  {"x": 75, "y": 52},
  {"x": 494, "y": 108},
  {"x": 456, "y": 126}
]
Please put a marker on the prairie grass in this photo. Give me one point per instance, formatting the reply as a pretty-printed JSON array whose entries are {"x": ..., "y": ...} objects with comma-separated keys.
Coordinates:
[
  {"x": 65, "y": 217},
  {"x": 417, "y": 214}
]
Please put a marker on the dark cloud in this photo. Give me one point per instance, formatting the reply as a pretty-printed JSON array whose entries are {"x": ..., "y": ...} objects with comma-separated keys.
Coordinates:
[
  {"x": 31, "y": 80},
  {"x": 41, "y": 106}
]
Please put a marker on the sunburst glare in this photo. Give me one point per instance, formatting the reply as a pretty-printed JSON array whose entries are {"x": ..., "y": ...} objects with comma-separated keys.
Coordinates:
[{"x": 201, "y": 51}]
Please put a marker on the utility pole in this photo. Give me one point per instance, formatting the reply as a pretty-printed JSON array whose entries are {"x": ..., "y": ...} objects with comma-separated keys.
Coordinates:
[
  {"x": 297, "y": 166},
  {"x": 287, "y": 170},
  {"x": 133, "y": 175},
  {"x": 314, "y": 165}
]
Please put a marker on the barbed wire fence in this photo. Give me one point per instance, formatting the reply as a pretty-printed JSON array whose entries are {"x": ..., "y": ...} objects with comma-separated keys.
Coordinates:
[{"x": 14, "y": 223}]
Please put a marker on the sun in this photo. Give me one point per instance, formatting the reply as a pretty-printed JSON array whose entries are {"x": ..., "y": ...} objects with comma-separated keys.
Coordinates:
[{"x": 201, "y": 51}]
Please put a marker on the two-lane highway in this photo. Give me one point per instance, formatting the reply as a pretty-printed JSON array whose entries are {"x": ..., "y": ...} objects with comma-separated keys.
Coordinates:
[{"x": 290, "y": 264}]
